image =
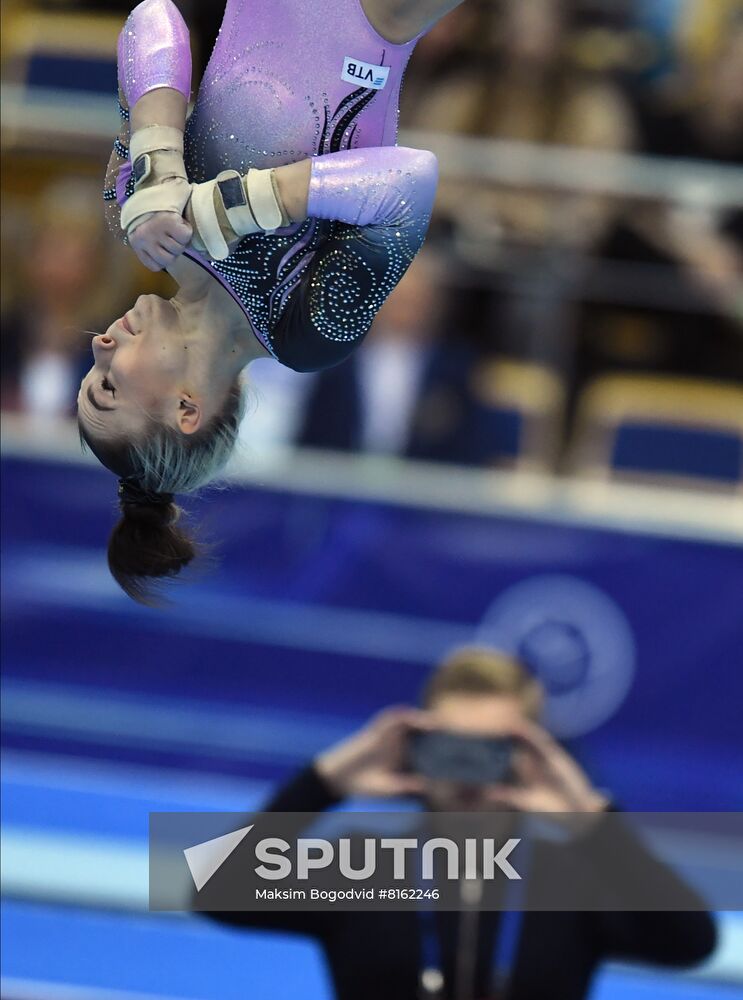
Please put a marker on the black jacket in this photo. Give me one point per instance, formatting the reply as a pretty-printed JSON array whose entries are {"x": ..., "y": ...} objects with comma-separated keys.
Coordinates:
[{"x": 377, "y": 956}]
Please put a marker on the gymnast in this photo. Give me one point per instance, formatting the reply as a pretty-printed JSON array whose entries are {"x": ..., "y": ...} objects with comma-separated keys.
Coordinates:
[{"x": 285, "y": 213}]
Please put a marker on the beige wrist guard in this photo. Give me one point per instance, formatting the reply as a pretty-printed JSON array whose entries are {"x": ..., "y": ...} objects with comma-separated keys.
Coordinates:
[
  {"x": 232, "y": 206},
  {"x": 160, "y": 181}
]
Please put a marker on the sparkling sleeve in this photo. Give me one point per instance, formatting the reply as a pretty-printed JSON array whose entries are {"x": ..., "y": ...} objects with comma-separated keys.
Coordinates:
[{"x": 153, "y": 51}]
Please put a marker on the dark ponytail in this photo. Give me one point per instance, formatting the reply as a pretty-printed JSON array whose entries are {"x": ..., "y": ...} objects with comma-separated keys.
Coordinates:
[{"x": 147, "y": 543}]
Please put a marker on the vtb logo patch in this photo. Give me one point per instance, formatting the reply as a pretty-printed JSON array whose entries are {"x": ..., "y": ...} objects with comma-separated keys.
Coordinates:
[{"x": 364, "y": 74}]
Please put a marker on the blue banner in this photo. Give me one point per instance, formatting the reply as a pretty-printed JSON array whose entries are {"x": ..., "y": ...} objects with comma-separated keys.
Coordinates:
[{"x": 322, "y": 610}]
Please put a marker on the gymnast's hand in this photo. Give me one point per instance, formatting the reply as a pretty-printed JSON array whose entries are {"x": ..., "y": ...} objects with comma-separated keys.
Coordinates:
[{"x": 159, "y": 238}]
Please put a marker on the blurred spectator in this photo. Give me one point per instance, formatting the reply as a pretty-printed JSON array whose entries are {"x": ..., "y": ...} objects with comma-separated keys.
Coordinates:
[
  {"x": 276, "y": 402},
  {"x": 447, "y": 68},
  {"x": 699, "y": 115},
  {"x": 407, "y": 391},
  {"x": 57, "y": 291},
  {"x": 484, "y": 694},
  {"x": 535, "y": 91},
  {"x": 657, "y": 22},
  {"x": 690, "y": 252},
  {"x": 532, "y": 86}
]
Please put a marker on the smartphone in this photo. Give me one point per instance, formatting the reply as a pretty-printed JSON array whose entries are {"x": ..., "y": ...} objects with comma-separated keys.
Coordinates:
[{"x": 469, "y": 760}]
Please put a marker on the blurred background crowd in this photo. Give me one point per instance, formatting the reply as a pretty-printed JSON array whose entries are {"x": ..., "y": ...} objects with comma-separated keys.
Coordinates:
[{"x": 579, "y": 305}]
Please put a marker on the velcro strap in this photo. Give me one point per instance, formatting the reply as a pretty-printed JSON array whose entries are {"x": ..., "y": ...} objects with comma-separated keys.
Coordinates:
[
  {"x": 154, "y": 168},
  {"x": 207, "y": 221},
  {"x": 239, "y": 216},
  {"x": 153, "y": 138},
  {"x": 141, "y": 169},
  {"x": 170, "y": 196},
  {"x": 264, "y": 204},
  {"x": 250, "y": 204}
]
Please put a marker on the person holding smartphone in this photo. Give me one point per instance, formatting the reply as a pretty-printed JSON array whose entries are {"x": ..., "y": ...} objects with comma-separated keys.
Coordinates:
[{"x": 477, "y": 745}]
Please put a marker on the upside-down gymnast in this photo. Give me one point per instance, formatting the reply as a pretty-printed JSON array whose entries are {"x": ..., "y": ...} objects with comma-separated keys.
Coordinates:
[{"x": 282, "y": 208}]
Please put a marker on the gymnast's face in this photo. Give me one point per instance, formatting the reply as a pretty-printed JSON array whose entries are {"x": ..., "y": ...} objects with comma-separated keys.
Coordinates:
[{"x": 138, "y": 374}]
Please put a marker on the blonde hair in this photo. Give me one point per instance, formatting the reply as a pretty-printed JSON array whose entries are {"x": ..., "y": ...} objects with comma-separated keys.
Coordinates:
[{"x": 474, "y": 670}]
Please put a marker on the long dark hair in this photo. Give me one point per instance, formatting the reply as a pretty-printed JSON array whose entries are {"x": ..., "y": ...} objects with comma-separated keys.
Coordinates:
[{"x": 150, "y": 543}]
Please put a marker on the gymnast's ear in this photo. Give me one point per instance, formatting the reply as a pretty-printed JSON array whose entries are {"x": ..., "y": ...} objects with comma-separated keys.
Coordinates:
[{"x": 189, "y": 415}]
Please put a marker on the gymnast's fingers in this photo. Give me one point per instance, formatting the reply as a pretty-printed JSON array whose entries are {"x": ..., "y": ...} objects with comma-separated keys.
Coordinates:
[
  {"x": 153, "y": 248},
  {"x": 149, "y": 249},
  {"x": 164, "y": 256},
  {"x": 180, "y": 230},
  {"x": 145, "y": 259},
  {"x": 171, "y": 246}
]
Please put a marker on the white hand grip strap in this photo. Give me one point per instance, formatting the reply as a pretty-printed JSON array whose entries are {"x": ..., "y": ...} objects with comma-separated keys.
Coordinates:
[
  {"x": 206, "y": 220},
  {"x": 153, "y": 138},
  {"x": 264, "y": 200},
  {"x": 232, "y": 206},
  {"x": 171, "y": 196},
  {"x": 162, "y": 184},
  {"x": 156, "y": 155},
  {"x": 236, "y": 205}
]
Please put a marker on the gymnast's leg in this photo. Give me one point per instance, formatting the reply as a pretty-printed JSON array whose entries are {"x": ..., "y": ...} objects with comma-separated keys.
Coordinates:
[{"x": 400, "y": 21}]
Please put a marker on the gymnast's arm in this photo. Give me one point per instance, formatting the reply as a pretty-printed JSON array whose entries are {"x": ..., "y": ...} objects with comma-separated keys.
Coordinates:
[
  {"x": 402, "y": 20},
  {"x": 154, "y": 59},
  {"x": 161, "y": 237}
]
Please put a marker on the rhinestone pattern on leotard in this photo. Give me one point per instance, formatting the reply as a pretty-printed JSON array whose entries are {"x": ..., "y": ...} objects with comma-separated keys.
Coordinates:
[{"x": 273, "y": 94}]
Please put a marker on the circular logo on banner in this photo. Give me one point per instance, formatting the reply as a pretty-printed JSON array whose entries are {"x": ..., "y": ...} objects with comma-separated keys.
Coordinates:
[{"x": 575, "y": 639}]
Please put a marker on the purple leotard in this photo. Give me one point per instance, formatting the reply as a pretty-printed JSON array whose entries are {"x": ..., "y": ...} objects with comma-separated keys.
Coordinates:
[
  {"x": 288, "y": 80},
  {"x": 305, "y": 70}
]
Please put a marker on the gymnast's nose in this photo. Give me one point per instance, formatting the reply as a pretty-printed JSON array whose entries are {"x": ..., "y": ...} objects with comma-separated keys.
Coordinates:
[{"x": 103, "y": 347}]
